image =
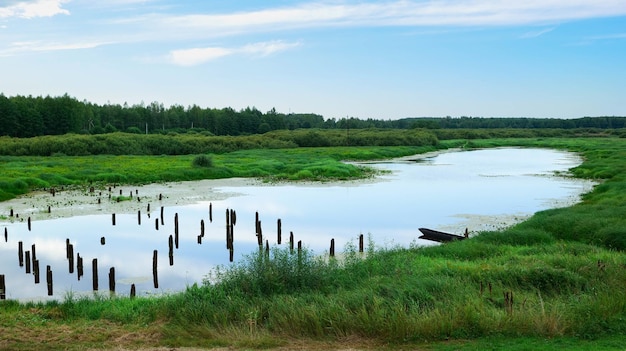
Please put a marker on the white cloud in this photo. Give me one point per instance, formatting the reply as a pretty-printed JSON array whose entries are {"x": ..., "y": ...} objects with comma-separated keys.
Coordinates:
[
  {"x": 33, "y": 9},
  {"x": 404, "y": 13},
  {"x": 536, "y": 33},
  {"x": 39, "y": 46},
  {"x": 196, "y": 56},
  {"x": 268, "y": 48}
]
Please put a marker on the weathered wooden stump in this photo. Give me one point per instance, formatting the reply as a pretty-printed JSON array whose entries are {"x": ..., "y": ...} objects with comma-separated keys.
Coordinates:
[
  {"x": 361, "y": 243},
  {"x": 20, "y": 253},
  {"x": 112, "y": 279},
  {"x": 27, "y": 261},
  {"x": 3, "y": 288},
  {"x": 49, "y": 279},
  {"x": 155, "y": 277},
  {"x": 36, "y": 271},
  {"x": 79, "y": 266},
  {"x": 70, "y": 258},
  {"x": 171, "y": 250},
  {"x": 210, "y": 212},
  {"x": 176, "y": 230},
  {"x": 94, "y": 268}
]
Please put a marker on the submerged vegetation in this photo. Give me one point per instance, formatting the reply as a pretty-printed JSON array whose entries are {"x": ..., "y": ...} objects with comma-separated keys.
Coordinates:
[{"x": 554, "y": 281}]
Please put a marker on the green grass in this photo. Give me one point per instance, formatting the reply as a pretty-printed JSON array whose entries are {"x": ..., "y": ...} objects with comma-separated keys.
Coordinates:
[
  {"x": 555, "y": 281},
  {"x": 21, "y": 174}
]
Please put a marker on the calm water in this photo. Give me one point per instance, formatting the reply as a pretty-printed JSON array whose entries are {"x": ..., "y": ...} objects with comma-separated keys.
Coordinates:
[{"x": 479, "y": 189}]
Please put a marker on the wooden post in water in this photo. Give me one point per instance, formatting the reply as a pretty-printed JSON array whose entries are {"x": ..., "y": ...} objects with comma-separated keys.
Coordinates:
[
  {"x": 6, "y": 235},
  {"x": 171, "y": 250},
  {"x": 361, "y": 243},
  {"x": 233, "y": 220},
  {"x": 332, "y": 247},
  {"x": 202, "y": 227},
  {"x": 290, "y": 242},
  {"x": 29, "y": 223},
  {"x": 112, "y": 278},
  {"x": 156, "y": 223},
  {"x": 299, "y": 247},
  {"x": 70, "y": 258},
  {"x": 102, "y": 240},
  {"x": 155, "y": 277},
  {"x": 32, "y": 253},
  {"x": 210, "y": 212},
  {"x": 279, "y": 225},
  {"x": 176, "y": 230},
  {"x": 133, "y": 291},
  {"x": 94, "y": 268},
  {"x": 79, "y": 266},
  {"x": 20, "y": 253},
  {"x": 36, "y": 271},
  {"x": 49, "y": 279},
  {"x": 162, "y": 219},
  {"x": 3, "y": 288},
  {"x": 139, "y": 217},
  {"x": 227, "y": 229},
  {"x": 27, "y": 258},
  {"x": 113, "y": 218}
]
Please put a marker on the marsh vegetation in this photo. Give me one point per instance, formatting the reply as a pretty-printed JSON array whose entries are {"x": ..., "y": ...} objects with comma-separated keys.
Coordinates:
[{"x": 556, "y": 279}]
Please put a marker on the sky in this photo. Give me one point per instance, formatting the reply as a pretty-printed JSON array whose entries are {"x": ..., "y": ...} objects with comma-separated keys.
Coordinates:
[{"x": 337, "y": 58}]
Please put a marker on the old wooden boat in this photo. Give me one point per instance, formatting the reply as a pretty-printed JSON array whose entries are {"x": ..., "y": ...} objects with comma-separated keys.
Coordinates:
[{"x": 442, "y": 237}]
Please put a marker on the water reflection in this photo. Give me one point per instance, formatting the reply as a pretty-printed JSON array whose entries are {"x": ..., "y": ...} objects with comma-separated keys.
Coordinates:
[{"x": 478, "y": 189}]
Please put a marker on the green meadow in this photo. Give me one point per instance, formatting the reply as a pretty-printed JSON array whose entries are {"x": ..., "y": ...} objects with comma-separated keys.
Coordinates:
[{"x": 556, "y": 281}]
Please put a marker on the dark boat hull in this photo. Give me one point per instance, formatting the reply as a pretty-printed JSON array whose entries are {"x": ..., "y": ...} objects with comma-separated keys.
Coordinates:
[{"x": 435, "y": 235}]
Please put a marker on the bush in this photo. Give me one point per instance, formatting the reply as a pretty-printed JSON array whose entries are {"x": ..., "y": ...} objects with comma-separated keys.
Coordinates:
[{"x": 204, "y": 161}]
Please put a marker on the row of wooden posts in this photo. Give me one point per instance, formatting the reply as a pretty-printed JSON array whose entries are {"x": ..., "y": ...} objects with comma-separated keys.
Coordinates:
[{"x": 28, "y": 257}]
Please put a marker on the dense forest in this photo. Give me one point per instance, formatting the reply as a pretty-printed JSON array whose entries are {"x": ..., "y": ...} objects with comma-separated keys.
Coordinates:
[{"x": 27, "y": 116}]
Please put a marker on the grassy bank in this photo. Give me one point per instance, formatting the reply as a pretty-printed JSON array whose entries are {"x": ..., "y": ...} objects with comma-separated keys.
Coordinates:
[
  {"x": 555, "y": 281},
  {"x": 21, "y": 174}
]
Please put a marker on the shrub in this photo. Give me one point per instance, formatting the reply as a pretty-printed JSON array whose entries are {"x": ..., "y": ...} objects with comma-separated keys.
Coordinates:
[{"x": 204, "y": 161}]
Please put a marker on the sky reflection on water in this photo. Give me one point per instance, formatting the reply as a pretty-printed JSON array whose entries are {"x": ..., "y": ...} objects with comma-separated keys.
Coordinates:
[{"x": 448, "y": 192}]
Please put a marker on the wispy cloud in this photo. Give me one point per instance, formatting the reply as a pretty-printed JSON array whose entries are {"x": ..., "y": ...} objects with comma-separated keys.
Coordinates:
[
  {"x": 403, "y": 13},
  {"x": 158, "y": 24},
  {"x": 196, "y": 56},
  {"x": 40, "y": 46},
  {"x": 536, "y": 33},
  {"x": 33, "y": 9}
]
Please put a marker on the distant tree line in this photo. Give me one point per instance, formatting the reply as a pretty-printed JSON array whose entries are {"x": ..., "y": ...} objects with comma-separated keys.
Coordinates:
[{"x": 27, "y": 116}]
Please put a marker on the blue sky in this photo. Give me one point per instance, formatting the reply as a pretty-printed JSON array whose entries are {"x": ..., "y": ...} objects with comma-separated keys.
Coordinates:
[{"x": 338, "y": 58}]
